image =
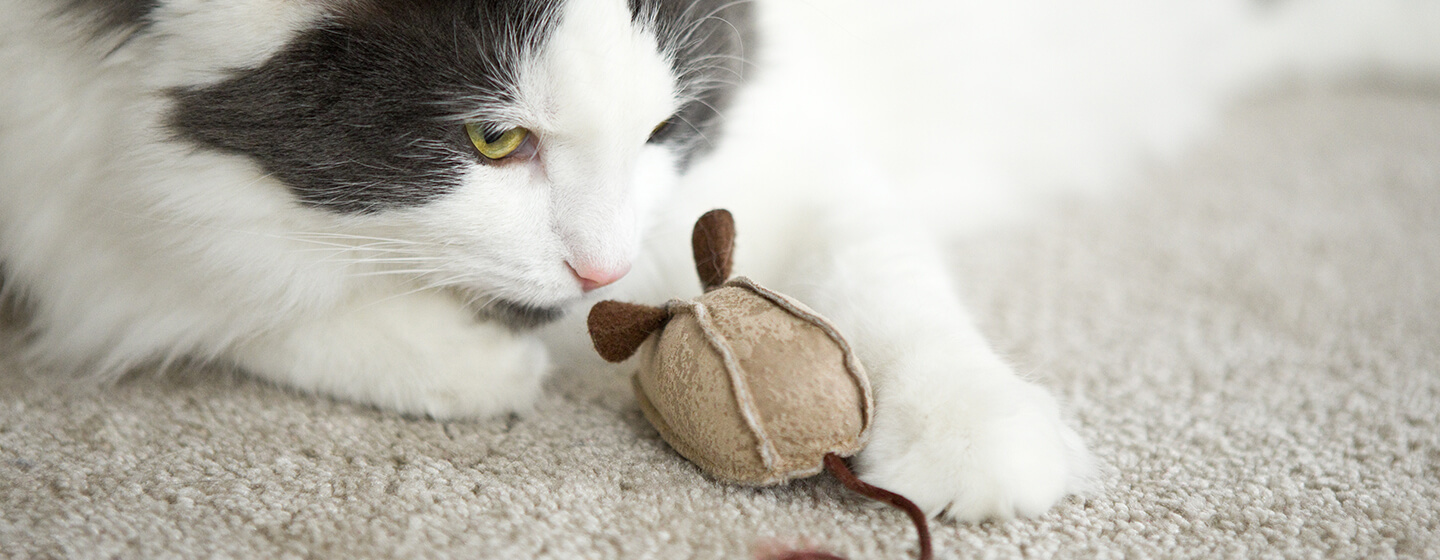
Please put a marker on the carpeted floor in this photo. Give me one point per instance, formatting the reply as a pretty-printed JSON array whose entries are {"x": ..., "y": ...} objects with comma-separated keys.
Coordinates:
[{"x": 1251, "y": 340}]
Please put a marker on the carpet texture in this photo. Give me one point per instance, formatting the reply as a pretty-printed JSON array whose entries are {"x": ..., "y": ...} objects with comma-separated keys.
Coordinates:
[{"x": 1250, "y": 339}]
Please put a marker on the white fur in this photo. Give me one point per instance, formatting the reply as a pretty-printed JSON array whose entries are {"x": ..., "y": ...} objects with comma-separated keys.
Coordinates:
[
  {"x": 991, "y": 107},
  {"x": 135, "y": 249}
]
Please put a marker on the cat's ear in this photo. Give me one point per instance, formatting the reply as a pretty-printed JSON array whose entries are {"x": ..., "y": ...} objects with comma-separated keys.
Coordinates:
[
  {"x": 618, "y": 328},
  {"x": 713, "y": 243}
]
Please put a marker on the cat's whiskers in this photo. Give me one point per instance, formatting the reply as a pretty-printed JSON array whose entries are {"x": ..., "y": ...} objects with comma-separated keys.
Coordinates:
[
  {"x": 431, "y": 286},
  {"x": 385, "y": 260},
  {"x": 340, "y": 247},
  {"x": 332, "y": 242},
  {"x": 473, "y": 302},
  {"x": 327, "y": 240},
  {"x": 719, "y": 114},
  {"x": 707, "y": 84},
  {"x": 708, "y": 71},
  {"x": 699, "y": 131},
  {"x": 695, "y": 23},
  {"x": 693, "y": 62},
  {"x": 687, "y": 35},
  {"x": 299, "y": 236}
]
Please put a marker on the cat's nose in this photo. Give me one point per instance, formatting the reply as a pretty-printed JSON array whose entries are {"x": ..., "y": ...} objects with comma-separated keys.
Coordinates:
[{"x": 595, "y": 277}]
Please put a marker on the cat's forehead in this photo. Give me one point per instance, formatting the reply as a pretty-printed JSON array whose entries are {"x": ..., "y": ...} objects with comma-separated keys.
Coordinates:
[
  {"x": 598, "y": 72},
  {"x": 363, "y": 110},
  {"x": 611, "y": 48}
]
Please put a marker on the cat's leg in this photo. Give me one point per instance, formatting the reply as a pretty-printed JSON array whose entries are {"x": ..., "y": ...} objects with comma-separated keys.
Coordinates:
[
  {"x": 420, "y": 353},
  {"x": 955, "y": 430}
]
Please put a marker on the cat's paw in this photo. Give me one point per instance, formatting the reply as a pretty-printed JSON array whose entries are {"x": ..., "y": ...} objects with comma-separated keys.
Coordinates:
[
  {"x": 478, "y": 369},
  {"x": 991, "y": 450},
  {"x": 420, "y": 354}
]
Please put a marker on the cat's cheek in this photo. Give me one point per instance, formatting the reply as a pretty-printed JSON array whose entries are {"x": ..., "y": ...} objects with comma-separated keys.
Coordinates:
[
  {"x": 657, "y": 175},
  {"x": 495, "y": 234}
]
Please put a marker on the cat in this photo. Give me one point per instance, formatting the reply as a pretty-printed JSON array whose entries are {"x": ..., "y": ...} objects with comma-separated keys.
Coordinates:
[{"x": 407, "y": 204}]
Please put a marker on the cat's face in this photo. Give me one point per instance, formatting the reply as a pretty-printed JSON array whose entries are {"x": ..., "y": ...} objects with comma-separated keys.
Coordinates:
[{"x": 510, "y": 149}]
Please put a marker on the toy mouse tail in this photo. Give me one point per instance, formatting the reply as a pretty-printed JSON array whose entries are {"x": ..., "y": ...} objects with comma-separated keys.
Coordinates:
[{"x": 837, "y": 468}]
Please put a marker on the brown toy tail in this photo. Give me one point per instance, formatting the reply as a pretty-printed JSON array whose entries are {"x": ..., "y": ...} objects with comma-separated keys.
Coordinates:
[
  {"x": 837, "y": 468},
  {"x": 713, "y": 243},
  {"x": 618, "y": 328}
]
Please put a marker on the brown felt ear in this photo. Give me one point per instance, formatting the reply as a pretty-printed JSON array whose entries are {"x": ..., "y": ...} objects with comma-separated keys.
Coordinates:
[
  {"x": 618, "y": 328},
  {"x": 714, "y": 242}
]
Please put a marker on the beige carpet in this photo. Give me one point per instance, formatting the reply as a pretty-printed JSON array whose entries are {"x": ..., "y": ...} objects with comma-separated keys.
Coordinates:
[{"x": 1251, "y": 340}]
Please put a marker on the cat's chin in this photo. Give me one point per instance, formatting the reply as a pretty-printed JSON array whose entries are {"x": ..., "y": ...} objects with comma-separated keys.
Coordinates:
[{"x": 517, "y": 315}]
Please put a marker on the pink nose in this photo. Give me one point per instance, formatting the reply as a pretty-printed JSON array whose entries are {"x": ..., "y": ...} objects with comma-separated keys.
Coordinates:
[{"x": 596, "y": 277}]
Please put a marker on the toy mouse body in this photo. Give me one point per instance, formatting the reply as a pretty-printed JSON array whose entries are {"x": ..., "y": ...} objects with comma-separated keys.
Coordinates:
[
  {"x": 749, "y": 384},
  {"x": 797, "y": 388}
]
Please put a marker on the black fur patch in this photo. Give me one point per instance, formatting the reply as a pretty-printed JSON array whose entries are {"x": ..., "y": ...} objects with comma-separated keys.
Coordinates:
[
  {"x": 112, "y": 16},
  {"x": 710, "y": 42},
  {"x": 358, "y": 114},
  {"x": 519, "y": 316}
]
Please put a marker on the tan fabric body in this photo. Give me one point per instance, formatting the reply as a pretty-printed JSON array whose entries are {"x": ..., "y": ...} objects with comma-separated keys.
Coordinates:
[{"x": 753, "y": 387}]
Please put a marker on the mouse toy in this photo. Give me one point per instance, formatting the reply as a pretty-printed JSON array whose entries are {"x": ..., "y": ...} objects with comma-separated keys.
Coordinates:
[{"x": 749, "y": 384}]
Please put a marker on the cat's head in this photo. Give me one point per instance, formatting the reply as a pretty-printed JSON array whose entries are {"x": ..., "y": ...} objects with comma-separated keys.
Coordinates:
[{"x": 508, "y": 149}]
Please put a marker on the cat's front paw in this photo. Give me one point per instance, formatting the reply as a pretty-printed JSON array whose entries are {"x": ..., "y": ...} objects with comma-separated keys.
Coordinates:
[
  {"x": 975, "y": 451},
  {"x": 420, "y": 354}
]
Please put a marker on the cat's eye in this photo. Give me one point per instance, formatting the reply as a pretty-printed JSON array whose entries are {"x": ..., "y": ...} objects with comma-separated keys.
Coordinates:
[
  {"x": 658, "y": 130},
  {"x": 497, "y": 146}
]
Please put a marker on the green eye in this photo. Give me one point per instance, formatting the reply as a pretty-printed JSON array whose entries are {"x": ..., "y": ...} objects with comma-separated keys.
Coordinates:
[
  {"x": 502, "y": 146},
  {"x": 659, "y": 128}
]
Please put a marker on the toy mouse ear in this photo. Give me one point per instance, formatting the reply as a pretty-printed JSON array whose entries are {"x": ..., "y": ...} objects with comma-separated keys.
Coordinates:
[
  {"x": 714, "y": 244},
  {"x": 618, "y": 329}
]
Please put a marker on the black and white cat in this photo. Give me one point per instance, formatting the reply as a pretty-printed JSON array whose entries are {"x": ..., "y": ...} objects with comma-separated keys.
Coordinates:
[{"x": 393, "y": 201}]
